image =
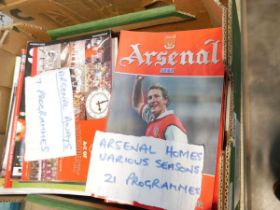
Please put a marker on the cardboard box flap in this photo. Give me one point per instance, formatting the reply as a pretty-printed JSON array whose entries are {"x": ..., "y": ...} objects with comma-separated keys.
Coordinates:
[
  {"x": 208, "y": 14},
  {"x": 15, "y": 37},
  {"x": 6, "y": 68},
  {"x": 54, "y": 14},
  {"x": 59, "y": 13},
  {"x": 38, "y": 32},
  {"x": 4, "y": 107}
]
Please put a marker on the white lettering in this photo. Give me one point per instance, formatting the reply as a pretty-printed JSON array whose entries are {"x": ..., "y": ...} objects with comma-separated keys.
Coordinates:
[
  {"x": 202, "y": 57},
  {"x": 214, "y": 50},
  {"x": 134, "y": 55},
  {"x": 171, "y": 58},
  {"x": 184, "y": 55},
  {"x": 163, "y": 57},
  {"x": 148, "y": 57}
]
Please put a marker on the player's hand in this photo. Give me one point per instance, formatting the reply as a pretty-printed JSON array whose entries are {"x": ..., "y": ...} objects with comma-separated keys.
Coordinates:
[{"x": 139, "y": 77}]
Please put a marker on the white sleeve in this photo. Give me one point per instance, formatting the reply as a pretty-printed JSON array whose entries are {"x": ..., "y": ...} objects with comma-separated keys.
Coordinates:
[{"x": 173, "y": 133}]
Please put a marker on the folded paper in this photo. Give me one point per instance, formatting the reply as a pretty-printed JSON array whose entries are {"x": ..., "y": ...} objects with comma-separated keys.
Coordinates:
[{"x": 50, "y": 122}]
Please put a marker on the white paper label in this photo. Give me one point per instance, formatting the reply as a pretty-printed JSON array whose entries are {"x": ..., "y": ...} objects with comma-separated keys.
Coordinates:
[
  {"x": 151, "y": 171},
  {"x": 50, "y": 120}
]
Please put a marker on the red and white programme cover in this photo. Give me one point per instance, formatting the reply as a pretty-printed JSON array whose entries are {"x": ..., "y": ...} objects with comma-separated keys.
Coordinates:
[
  {"x": 169, "y": 85},
  {"x": 88, "y": 58}
]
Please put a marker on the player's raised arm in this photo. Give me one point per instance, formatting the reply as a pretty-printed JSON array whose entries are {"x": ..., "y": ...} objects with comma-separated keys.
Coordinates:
[{"x": 137, "y": 94}]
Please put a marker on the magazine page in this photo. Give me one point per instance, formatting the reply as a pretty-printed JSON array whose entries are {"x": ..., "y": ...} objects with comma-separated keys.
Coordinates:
[
  {"x": 88, "y": 61},
  {"x": 169, "y": 85},
  {"x": 10, "y": 115},
  {"x": 14, "y": 113}
]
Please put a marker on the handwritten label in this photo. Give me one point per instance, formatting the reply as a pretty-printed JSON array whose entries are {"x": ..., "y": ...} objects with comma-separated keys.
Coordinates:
[
  {"x": 50, "y": 121},
  {"x": 153, "y": 172}
]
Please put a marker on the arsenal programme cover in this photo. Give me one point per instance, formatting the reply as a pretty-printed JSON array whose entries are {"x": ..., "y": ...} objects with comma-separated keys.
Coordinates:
[
  {"x": 169, "y": 85},
  {"x": 89, "y": 61}
]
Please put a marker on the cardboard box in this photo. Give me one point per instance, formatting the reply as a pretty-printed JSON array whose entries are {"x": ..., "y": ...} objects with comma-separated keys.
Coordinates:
[
  {"x": 54, "y": 14},
  {"x": 14, "y": 37},
  {"x": 7, "y": 63},
  {"x": 2, "y": 145},
  {"x": 14, "y": 42},
  {"x": 58, "y": 13},
  {"x": 4, "y": 107},
  {"x": 11, "y": 198},
  {"x": 208, "y": 14},
  {"x": 52, "y": 202}
]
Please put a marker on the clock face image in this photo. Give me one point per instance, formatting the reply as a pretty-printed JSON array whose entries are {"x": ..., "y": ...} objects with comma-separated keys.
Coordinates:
[{"x": 97, "y": 104}]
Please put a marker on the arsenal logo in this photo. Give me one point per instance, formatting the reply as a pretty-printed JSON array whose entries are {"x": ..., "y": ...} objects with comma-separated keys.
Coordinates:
[{"x": 170, "y": 42}]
